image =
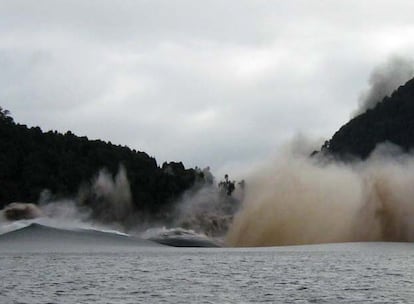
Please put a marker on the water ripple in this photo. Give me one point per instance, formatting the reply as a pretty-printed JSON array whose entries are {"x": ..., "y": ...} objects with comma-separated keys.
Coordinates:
[{"x": 365, "y": 275}]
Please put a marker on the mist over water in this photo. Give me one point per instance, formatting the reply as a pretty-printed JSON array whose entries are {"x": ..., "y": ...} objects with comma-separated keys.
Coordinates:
[
  {"x": 199, "y": 218},
  {"x": 297, "y": 199},
  {"x": 207, "y": 210},
  {"x": 104, "y": 204},
  {"x": 108, "y": 199}
]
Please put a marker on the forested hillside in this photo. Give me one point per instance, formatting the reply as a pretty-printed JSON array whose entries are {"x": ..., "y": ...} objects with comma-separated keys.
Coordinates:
[
  {"x": 32, "y": 160},
  {"x": 391, "y": 120}
]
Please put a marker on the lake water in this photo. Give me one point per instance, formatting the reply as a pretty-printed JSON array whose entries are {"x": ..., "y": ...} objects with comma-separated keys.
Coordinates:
[{"x": 336, "y": 273}]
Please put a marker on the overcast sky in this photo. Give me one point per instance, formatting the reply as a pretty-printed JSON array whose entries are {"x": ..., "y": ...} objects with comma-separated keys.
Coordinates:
[{"x": 204, "y": 82}]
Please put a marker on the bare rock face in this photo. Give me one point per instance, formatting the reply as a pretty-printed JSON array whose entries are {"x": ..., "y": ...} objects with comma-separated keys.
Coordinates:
[{"x": 21, "y": 211}]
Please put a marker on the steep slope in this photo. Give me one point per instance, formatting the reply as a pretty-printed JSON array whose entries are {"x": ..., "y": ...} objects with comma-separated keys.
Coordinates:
[{"x": 391, "y": 120}]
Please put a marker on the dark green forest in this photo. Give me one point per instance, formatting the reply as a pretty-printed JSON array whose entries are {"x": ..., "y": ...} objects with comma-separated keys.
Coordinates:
[
  {"x": 391, "y": 120},
  {"x": 32, "y": 160}
]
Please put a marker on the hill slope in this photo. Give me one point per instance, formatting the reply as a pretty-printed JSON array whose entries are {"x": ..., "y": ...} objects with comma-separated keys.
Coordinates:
[
  {"x": 391, "y": 120},
  {"x": 31, "y": 160}
]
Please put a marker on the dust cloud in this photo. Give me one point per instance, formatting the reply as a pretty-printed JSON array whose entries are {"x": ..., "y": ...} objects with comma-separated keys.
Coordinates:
[{"x": 297, "y": 199}]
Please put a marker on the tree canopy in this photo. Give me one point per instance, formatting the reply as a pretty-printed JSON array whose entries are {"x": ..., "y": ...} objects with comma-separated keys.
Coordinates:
[
  {"x": 32, "y": 160},
  {"x": 391, "y": 120}
]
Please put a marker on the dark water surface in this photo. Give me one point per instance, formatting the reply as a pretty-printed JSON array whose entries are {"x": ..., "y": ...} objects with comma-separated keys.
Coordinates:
[{"x": 336, "y": 273}]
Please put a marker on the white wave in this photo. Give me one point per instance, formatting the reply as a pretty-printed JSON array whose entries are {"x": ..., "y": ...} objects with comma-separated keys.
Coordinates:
[{"x": 70, "y": 224}]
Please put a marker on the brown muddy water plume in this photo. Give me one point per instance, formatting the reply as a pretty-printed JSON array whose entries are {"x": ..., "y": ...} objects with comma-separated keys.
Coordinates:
[{"x": 301, "y": 200}]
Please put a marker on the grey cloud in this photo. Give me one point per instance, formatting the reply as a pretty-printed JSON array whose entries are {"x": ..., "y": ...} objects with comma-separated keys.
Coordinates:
[
  {"x": 136, "y": 22},
  {"x": 205, "y": 84},
  {"x": 385, "y": 79}
]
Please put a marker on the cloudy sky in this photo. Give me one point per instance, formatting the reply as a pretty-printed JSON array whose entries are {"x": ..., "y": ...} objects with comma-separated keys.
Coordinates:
[{"x": 205, "y": 82}]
